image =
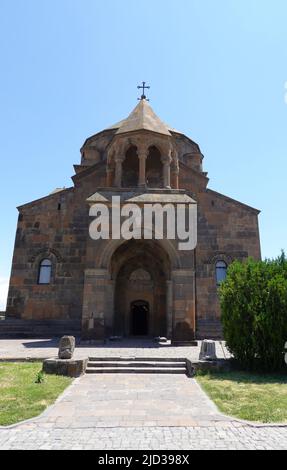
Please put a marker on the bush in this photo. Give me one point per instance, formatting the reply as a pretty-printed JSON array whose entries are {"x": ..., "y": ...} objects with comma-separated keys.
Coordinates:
[
  {"x": 40, "y": 377},
  {"x": 254, "y": 313}
]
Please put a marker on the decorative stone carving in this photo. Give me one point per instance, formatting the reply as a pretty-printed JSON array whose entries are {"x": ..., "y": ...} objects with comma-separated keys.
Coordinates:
[
  {"x": 46, "y": 253},
  {"x": 219, "y": 256},
  {"x": 208, "y": 351},
  {"x": 66, "y": 347},
  {"x": 140, "y": 275}
]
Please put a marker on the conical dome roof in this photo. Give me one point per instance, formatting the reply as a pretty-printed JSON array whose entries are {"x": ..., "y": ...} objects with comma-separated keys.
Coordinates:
[{"x": 142, "y": 118}]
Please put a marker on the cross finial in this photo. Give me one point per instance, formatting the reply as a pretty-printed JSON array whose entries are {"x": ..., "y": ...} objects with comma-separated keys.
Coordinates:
[{"x": 143, "y": 87}]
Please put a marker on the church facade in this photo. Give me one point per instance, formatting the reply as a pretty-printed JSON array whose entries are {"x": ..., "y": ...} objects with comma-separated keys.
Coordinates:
[{"x": 138, "y": 287}]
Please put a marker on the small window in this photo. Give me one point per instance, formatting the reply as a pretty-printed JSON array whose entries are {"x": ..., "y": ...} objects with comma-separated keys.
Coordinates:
[
  {"x": 45, "y": 272},
  {"x": 221, "y": 272}
]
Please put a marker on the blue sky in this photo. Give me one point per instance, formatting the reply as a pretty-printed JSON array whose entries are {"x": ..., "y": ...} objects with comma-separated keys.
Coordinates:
[{"x": 218, "y": 71}]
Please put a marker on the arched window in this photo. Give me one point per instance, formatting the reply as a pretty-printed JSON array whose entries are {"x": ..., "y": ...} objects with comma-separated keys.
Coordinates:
[
  {"x": 45, "y": 271},
  {"x": 130, "y": 177},
  {"x": 221, "y": 272},
  {"x": 154, "y": 168}
]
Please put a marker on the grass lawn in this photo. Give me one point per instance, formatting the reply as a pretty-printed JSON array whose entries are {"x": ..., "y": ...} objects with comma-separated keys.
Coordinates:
[
  {"x": 248, "y": 396},
  {"x": 20, "y": 397}
]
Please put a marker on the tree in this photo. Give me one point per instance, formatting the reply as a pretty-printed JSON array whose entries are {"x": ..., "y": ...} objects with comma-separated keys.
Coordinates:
[{"x": 254, "y": 312}]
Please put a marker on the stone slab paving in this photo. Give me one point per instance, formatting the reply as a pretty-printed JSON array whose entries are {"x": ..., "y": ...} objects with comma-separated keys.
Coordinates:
[
  {"x": 128, "y": 400},
  {"x": 48, "y": 348},
  {"x": 149, "y": 412},
  {"x": 154, "y": 438}
]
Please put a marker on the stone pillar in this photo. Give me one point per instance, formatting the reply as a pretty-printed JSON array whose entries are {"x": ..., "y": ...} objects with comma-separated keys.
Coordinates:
[
  {"x": 169, "y": 308},
  {"x": 183, "y": 306},
  {"x": 174, "y": 178},
  {"x": 94, "y": 304},
  {"x": 166, "y": 161},
  {"x": 109, "y": 313},
  {"x": 110, "y": 177},
  {"x": 142, "y": 168},
  {"x": 118, "y": 171}
]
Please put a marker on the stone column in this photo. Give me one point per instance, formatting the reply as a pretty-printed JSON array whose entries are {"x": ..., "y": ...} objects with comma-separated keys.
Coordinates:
[
  {"x": 169, "y": 308},
  {"x": 110, "y": 177},
  {"x": 109, "y": 313},
  {"x": 119, "y": 171},
  {"x": 142, "y": 155},
  {"x": 94, "y": 304},
  {"x": 174, "y": 177},
  {"x": 166, "y": 161},
  {"x": 183, "y": 306}
]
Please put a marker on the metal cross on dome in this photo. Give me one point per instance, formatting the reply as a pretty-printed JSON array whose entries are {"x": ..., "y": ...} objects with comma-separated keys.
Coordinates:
[{"x": 143, "y": 87}]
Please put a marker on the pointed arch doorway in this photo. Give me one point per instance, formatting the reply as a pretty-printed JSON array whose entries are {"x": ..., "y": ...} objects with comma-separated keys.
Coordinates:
[{"x": 140, "y": 271}]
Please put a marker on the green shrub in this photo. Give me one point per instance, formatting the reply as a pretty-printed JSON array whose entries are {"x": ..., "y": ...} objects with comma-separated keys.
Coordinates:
[
  {"x": 254, "y": 312},
  {"x": 40, "y": 377}
]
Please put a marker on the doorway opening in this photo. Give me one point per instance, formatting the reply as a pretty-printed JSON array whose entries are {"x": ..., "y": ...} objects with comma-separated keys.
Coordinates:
[{"x": 139, "y": 318}]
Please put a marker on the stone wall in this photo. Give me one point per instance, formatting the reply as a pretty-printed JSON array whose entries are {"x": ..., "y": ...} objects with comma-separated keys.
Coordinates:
[{"x": 55, "y": 227}]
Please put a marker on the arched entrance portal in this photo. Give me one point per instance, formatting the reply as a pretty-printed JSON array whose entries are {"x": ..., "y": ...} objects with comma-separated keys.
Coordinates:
[
  {"x": 139, "y": 318},
  {"x": 141, "y": 273}
]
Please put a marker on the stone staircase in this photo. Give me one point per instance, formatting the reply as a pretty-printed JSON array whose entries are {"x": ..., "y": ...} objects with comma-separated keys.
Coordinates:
[
  {"x": 132, "y": 365},
  {"x": 209, "y": 329},
  {"x": 13, "y": 328}
]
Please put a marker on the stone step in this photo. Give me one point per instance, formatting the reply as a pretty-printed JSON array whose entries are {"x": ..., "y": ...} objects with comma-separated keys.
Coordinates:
[
  {"x": 216, "y": 336},
  {"x": 18, "y": 321},
  {"x": 138, "y": 359},
  {"x": 15, "y": 328},
  {"x": 209, "y": 329},
  {"x": 135, "y": 370},
  {"x": 136, "y": 364},
  {"x": 139, "y": 365}
]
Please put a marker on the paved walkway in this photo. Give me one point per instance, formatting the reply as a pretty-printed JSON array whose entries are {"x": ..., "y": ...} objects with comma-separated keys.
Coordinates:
[
  {"x": 132, "y": 411},
  {"x": 138, "y": 412},
  {"x": 136, "y": 400},
  {"x": 48, "y": 348},
  {"x": 156, "y": 438}
]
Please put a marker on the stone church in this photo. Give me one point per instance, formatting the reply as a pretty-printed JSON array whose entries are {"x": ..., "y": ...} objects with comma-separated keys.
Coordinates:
[{"x": 138, "y": 287}]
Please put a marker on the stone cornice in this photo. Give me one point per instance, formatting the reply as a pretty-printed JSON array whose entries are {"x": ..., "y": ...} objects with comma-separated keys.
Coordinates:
[
  {"x": 234, "y": 201},
  {"x": 37, "y": 201}
]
